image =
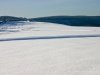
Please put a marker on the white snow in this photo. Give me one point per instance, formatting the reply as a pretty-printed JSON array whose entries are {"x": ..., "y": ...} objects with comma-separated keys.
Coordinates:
[{"x": 49, "y": 49}]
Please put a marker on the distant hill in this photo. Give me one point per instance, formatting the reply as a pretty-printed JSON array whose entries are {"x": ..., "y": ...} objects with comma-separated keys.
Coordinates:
[
  {"x": 93, "y": 21},
  {"x": 11, "y": 18},
  {"x": 71, "y": 20}
]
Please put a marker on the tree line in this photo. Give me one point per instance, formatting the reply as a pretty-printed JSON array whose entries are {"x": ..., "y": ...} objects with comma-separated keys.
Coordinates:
[
  {"x": 71, "y": 20},
  {"x": 11, "y": 18},
  {"x": 66, "y": 20}
]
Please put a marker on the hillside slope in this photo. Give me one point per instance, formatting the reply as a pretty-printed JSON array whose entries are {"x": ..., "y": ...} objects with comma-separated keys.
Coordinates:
[{"x": 41, "y": 48}]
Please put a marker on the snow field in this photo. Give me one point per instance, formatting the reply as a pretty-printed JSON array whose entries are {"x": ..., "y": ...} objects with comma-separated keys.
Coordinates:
[{"x": 78, "y": 54}]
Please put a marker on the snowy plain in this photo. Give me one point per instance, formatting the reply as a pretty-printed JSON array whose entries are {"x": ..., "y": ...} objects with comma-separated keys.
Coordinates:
[{"x": 39, "y": 48}]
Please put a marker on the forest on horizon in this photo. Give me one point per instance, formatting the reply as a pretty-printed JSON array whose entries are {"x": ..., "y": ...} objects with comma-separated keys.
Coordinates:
[{"x": 66, "y": 20}]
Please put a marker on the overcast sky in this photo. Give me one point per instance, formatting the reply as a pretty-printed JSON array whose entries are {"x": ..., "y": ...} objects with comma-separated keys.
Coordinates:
[{"x": 40, "y": 8}]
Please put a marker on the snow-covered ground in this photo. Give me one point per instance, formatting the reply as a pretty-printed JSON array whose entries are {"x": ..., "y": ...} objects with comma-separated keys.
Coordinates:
[{"x": 49, "y": 49}]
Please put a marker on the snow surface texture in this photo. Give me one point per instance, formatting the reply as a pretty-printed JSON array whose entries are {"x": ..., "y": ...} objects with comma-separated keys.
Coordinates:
[{"x": 49, "y": 49}]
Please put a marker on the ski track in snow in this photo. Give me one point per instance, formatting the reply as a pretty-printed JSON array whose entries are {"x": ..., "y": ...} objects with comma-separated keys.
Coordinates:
[{"x": 38, "y": 48}]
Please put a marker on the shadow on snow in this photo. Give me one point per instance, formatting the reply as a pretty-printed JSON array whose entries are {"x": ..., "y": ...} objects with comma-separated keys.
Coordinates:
[{"x": 49, "y": 37}]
